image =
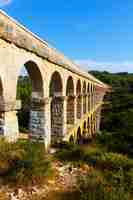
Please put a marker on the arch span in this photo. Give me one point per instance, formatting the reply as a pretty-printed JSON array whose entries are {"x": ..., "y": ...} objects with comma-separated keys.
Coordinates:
[
  {"x": 36, "y": 78},
  {"x": 31, "y": 115},
  {"x": 56, "y": 85}
]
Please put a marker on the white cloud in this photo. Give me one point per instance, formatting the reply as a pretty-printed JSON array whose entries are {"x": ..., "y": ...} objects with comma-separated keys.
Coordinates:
[
  {"x": 125, "y": 66},
  {"x": 4, "y": 2}
]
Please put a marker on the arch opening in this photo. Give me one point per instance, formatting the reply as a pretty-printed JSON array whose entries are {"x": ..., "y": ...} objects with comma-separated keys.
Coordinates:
[
  {"x": 79, "y": 136},
  {"x": 30, "y": 92},
  {"x": 56, "y": 85},
  {"x": 57, "y": 110},
  {"x": 70, "y": 101},
  {"x": 71, "y": 139},
  {"x": 79, "y": 100}
]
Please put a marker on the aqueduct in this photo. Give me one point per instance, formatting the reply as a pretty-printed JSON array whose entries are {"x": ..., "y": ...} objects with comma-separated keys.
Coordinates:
[{"x": 65, "y": 101}]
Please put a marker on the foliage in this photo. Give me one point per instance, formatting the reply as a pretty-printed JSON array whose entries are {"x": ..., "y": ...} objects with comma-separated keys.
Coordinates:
[
  {"x": 117, "y": 114},
  {"x": 23, "y": 163},
  {"x": 24, "y": 94},
  {"x": 69, "y": 152},
  {"x": 95, "y": 186}
]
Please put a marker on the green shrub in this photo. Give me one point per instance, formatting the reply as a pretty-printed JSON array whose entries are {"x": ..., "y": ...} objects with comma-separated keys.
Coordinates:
[
  {"x": 63, "y": 145},
  {"x": 23, "y": 162},
  {"x": 94, "y": 186},
  {"x": 75, "y": 153},
  {"x": 108, "y": 160}
]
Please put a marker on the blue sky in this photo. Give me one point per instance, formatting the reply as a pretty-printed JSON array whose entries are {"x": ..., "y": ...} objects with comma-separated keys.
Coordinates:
[{"x": 97, "y": 34}]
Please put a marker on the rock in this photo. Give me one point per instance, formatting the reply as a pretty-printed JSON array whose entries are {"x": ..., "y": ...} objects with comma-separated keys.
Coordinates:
[{"x": 52, "y": 151}]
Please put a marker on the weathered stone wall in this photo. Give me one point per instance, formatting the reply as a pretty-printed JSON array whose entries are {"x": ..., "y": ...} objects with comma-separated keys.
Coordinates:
[
  {"x": 70, "y": 110},
  {"x": 56, "y": 118},
  {"x": 36, "y": 125},
  {"x": 84, "y": 104},
  {"x": 79, "y": 105}
]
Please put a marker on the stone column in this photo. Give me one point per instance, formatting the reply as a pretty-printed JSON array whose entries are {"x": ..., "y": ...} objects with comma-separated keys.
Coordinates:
[
  {"x": 47, "y": 122},
  {"x": 64, "y": 120},
  {"x": 87, "y": 106},
  {"x": 9, "y": 121},
  {"x": 40, "y": 126},
  {"x": 75, "y": 110},
  {"x": 91, "y": 102},
  {"x": 82, "y": 106},
  {"x": 79, "y": 107}
]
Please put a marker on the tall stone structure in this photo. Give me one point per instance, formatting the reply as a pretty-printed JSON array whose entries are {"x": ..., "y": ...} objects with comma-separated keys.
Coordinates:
[{"x": 65, "y": 101}]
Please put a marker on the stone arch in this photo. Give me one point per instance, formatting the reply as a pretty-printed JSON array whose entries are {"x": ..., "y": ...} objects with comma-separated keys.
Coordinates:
[
  {"x": 70, "y": 86},
  {"x": 31, "y": 114},
  {"x": 56, "y": 85},
  {"x": 56, "y": 109},
  {"x": 35, "y": 107},
  {"x": 79, "y": 101},
  {"x": 70, "y": 100},
  {"x": 79, "y": 136},
  {"x": 84, "y": 97},
  {"x": 36, "y": 79}
]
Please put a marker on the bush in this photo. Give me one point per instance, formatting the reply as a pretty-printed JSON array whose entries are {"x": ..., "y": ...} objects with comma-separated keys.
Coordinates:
[
  {"x": 63, "y": 145},
  {"x": 94, "y": 186},
  {"x": 23, "y": 163},
  {"x": 9, "y": 154},
  {"x": 73, "y": 153},
  {"x": 108, "y": 160}
]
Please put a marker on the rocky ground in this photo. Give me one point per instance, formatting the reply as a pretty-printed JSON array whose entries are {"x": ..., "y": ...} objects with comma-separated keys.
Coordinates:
[{"x": 62, "y": 184}]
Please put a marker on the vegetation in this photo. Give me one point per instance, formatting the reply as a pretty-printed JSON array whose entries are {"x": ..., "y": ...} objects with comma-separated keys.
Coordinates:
[
  {"x": 23, "y": 163},
  {"x": 117, "y": 114},
  {"x": 24, "y": 94},
  {"x": 110, "y": 174},
  {"x": 110, "y": 159}
]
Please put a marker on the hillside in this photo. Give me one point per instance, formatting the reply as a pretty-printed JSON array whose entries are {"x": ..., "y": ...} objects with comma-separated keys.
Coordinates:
[{"x": 117, "y": 114}]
